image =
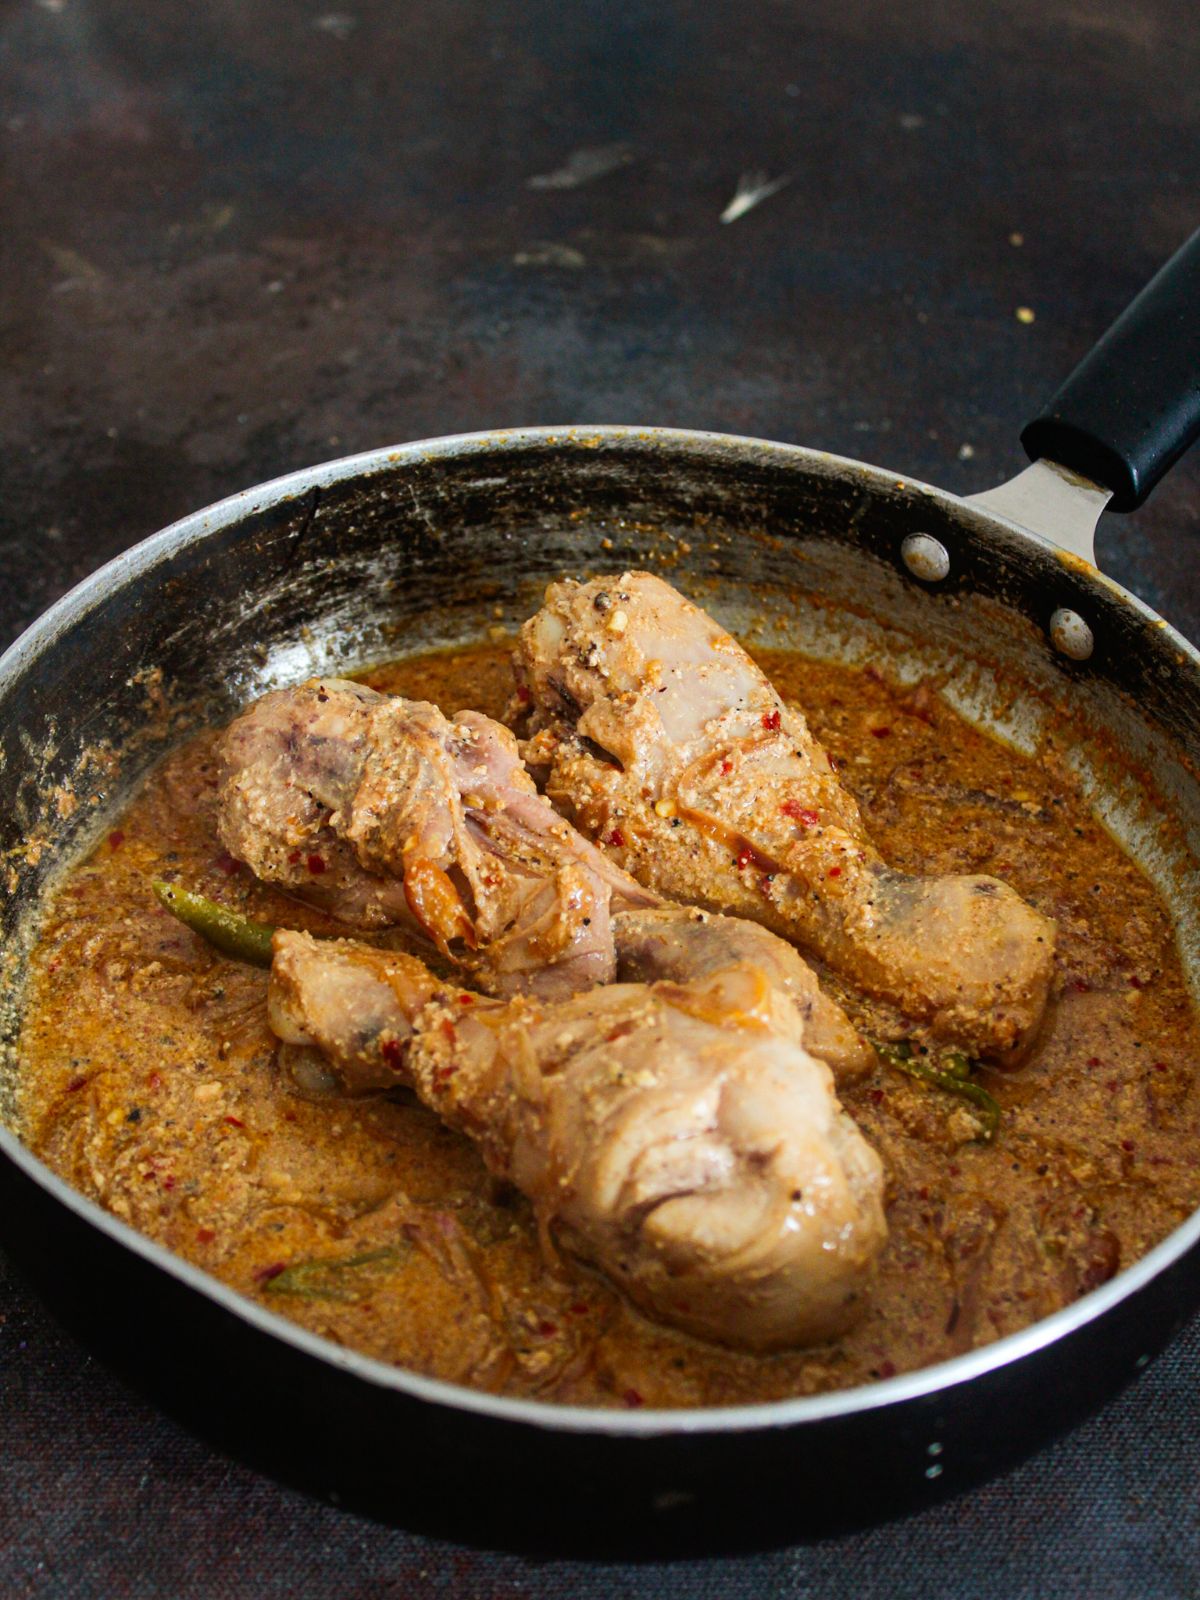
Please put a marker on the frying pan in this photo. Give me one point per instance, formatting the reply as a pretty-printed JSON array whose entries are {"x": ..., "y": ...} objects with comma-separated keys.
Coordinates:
[{"x": 403, "y": 549}]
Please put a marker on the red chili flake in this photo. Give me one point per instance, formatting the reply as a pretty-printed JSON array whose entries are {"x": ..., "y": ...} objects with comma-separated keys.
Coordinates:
[
  {"x": 155, "y": 1080},
  {"x": 953, "y": 1170},
  {"x": 235, "y": 1122},
  {"x": 876, "y": 1097},
  {"x": 523, "y": 694},
  {"x": 547, "y": 1329},
  {"x": 169, "y": 1181},
  {"x": 1134, "y": 981},
  {"x": 392, "y": 1053},
  {"x": 745, "y": 857},
  {"x": 1080, "y": 986},
  {"x": 632, "y": 1399},
  {"x": 770, "y": 721},
  {"x": 75, "y": 1084},
  {"x": 1093, "y": 1061},
  {"x": 293, "y": 857},
  {"x": 799, "y": 813},
  {"x": 448, "y": 1029},
  {"x": 834, "y": 764},
  {"x": 1160, "y": 1066},
  {"x": 881, "y": 733},
  {"x": 228, "y": 864},
  {"x": 1127, "y": 1144},
  {"x": 116, "y": 839},
  {"x": 619, "y": 1032},
  {"x": 289, "y": 1116},
  {"x": 834, "y": 872},
  {"x": 265, "y": 1274},
  {"x": 579, "y": 1309},
  {"x": 887, "y": 1369},
  {"x": 1111, "y": 1085},
  {"x": 205, "y": 1236},
  {"x": 616, "y": 837},
  {"x": 315, "y": 864},
  {"x": 443, "y": 1074},
  {"x": 727, "y": 766},
  {"x": 53, "y": 966},
  {"x": 466, "y": 999}
]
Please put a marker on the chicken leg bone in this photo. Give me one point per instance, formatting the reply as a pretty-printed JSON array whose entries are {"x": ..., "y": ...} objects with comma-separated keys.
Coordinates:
[
  {"x": 658, "y": 734},
  {"x": 677, "y": 1136},
  {"x": 383, "y": 811}
]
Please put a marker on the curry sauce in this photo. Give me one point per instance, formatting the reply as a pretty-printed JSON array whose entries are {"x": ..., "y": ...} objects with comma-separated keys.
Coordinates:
[{"x": 150, "y": 1081}]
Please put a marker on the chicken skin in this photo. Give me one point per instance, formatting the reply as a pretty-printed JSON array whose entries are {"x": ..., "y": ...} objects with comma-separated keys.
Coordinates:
[
  {"x": 658, "y": 735},
  {"x": 385, "y": 812},
  {"x": 677, "y": 1136}
]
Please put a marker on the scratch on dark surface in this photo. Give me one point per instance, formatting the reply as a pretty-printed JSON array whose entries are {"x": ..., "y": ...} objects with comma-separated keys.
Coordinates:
[
  {"x": 752, "y": 189},
  {"x": 547, "y": 253},
  {"x": 583, "y": 166},
  {"x": 301, "y": 534}
]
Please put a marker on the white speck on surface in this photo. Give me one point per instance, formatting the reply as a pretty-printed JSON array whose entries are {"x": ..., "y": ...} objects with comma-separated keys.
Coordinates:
[
  {"x": 1026, "y": 315},
  {"x": 752, "y": 189},
  {"x": 583, "y": 166},
  {"x": 935, "y": 1471},
  {"x": 1016, "y": 240},
  {"x": 793, "y": 91},
  {"x": 911, "y": 120},
  {"x": 545, "y": 253},
  {"x": 966, "y": 452},
  {"x": 339, "y": 23}
]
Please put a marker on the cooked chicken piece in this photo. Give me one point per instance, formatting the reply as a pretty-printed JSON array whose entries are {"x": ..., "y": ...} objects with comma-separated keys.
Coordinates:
[
  {"x": 384, "y": 811},
  {"x": 662, "y": 739},
  {"x": 678, "y": 1136},
  {"x": 684, "y": 943}
]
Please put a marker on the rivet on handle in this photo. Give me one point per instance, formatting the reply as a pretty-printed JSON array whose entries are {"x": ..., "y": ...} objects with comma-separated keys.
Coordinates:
[
  {"x": 1070, "y": 635},
  {"x": 925, "y": 557}
]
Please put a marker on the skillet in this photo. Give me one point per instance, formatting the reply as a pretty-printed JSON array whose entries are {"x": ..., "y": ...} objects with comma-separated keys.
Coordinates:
[{"x": 408, "y": 548}]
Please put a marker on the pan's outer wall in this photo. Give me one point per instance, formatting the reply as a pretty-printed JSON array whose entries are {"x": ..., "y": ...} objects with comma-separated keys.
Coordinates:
[{"x": 417, "y": 546}]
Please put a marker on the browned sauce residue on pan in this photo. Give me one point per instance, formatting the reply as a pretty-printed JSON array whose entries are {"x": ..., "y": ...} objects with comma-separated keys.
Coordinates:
[{"x": 150, "y": 1083}]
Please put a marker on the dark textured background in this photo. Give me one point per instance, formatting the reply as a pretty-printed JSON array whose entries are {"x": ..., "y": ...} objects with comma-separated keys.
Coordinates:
[{"x": 239, "y": 236}]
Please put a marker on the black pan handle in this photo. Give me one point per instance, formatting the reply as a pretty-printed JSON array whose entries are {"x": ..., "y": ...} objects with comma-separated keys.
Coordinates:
[{"x": 1132, "y": 407}]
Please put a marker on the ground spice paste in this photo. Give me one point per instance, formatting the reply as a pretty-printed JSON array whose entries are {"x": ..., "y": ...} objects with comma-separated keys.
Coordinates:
[{"x": 150, "y": 1082}]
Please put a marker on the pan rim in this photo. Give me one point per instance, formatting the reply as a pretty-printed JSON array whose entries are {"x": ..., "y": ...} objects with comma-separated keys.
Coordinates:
[{"x": 937, "y": 1379}]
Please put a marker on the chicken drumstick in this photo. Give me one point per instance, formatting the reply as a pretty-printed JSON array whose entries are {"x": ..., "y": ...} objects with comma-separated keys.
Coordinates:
[
  {"x": 677, "y": 1136},
  {"x": 663, "y": 740}
]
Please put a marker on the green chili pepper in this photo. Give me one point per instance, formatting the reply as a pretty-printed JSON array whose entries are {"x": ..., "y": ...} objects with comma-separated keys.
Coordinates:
[
  {"x": 952, "y": 1075},
  {"x": 324, "y": 1280},
  {"x": 232, "y": 934}
]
